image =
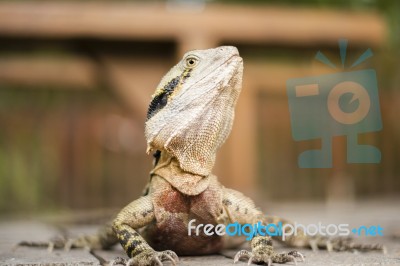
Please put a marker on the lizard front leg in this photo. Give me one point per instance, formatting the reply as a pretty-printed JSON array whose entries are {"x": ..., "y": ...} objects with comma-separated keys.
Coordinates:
[
  {"x": 242, "y": 210},
  {"x": 138, "y": 214}
]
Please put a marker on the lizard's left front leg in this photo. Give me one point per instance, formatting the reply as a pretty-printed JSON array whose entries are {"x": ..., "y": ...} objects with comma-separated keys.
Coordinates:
[
  {"x": 138, "y": 214},
  {"x": 242, "y": 210}
]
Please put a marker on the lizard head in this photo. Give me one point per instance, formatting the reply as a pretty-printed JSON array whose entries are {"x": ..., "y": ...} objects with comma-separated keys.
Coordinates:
[{"x": 192, "y": 110}]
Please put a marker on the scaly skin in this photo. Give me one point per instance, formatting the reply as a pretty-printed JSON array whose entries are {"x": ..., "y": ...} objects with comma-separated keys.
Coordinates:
[{"x": 189, "y": 118}]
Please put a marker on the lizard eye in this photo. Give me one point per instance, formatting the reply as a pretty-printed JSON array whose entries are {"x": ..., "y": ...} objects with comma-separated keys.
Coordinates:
[{"x": 191, "y": 62}]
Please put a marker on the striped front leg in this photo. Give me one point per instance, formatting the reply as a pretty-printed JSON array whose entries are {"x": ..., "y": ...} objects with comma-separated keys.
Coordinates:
[
  {"x": 241, "y": 209},
  {"x": 263, "y": 252},
  {"x": 136, "y": 215}
]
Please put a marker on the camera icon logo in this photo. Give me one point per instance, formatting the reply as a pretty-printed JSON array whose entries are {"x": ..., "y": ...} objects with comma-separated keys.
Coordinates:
[
  {"x": 358, "y": 92},
  {"x": 339, "y": 104}
]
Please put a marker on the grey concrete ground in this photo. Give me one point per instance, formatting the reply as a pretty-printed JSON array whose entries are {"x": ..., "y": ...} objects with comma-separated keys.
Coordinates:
[{"x": 386, "y": 214}]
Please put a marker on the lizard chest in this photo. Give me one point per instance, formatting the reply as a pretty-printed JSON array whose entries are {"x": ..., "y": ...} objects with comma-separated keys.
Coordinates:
[{"x": 173, "y": 211}]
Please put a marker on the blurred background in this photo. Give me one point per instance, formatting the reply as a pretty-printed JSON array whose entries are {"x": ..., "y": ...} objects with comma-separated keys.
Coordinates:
[{"x": 76, "y": 78}]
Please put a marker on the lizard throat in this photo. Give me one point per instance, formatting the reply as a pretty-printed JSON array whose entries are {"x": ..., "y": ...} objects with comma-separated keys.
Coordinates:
[{"x": 187, "y": 183}]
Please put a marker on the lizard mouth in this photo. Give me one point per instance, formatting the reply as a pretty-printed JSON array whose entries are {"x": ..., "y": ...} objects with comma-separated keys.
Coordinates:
[{"x": 234, "y": 58}]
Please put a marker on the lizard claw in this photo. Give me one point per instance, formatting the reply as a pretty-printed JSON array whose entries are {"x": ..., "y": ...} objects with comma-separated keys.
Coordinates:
[
  {"x": 295, "y": 254},
  {"x": 118, "y": 261},
  {"x": 68, "y": 245},
  {"x": 329, "y": 246},
  {"x": 261, "y": 257},
  {"x": 242, "y": 254},
  {"x": 147, "y": 258},
  {"x": 50, "y": 247},
  {"x": 250, "y": 261},
  {"x": 171, "y": 256}
]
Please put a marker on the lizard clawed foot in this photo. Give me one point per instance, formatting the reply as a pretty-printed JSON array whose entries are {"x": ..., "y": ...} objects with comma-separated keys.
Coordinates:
[
  {"x": 118, "y": 261},
  {"x": 263, "y": 257},
  {"x": 344, "y": 244},
  {"x": 349, "y": 245},
  {"x": 55, "y": 243},
  {"x": 147, "y": 258},
  {"x": 62, "y": 243}
]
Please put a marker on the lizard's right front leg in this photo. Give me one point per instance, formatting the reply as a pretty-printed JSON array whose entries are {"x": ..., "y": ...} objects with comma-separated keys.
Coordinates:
[
  {"x": 138, "y": 214},
  {"x": 242, "y": 210}
]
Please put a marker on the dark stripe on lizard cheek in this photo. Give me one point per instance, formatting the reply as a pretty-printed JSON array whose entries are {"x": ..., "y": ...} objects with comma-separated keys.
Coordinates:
[{"x": 161, "y": 100}]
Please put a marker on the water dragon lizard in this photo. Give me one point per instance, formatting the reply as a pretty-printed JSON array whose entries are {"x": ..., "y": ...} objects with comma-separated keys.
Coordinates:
[{"x": 189, "y": 118}]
